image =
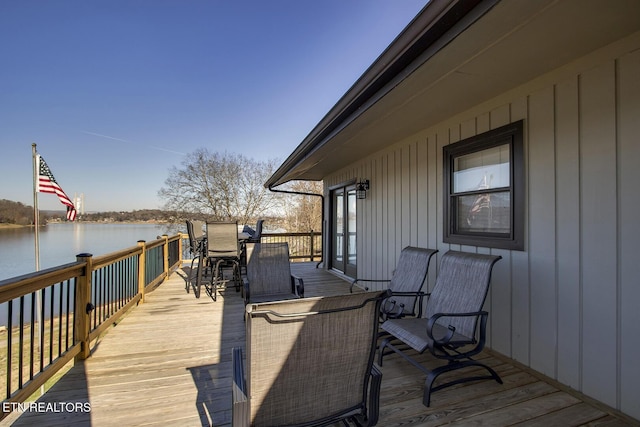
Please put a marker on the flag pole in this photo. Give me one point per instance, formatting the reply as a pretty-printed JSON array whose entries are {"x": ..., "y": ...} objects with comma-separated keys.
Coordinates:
[
  {"x": 36, "y": 211},
  {"x": 36, "y": 223}
]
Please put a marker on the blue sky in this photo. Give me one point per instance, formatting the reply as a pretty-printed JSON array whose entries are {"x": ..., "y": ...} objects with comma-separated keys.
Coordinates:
[{"x": 114, "y": 93}]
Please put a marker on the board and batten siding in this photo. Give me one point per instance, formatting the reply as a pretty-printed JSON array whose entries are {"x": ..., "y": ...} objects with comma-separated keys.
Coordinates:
[{"x": 568, "y": 305}]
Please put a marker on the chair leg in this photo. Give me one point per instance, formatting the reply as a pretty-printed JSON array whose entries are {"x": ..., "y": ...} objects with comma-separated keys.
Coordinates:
[
  {"x": 190, "y": 277},
  {"x": 431, "y": 377},
  {"x": 210, "y": 289},
  {"x": 374, "y": 396},
  {"x": 236, "y": 275},
  {"x": 240, "y": 401},
  {"x": 199, "y": 272},
  {"x": 381, "y": 353},
  {"x": 433, "y": 374},
  {"x": 384, "y": 343}
]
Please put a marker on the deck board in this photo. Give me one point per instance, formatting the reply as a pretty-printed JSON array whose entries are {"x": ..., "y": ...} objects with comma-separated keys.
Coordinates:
[{"x": 168, "y": 362}]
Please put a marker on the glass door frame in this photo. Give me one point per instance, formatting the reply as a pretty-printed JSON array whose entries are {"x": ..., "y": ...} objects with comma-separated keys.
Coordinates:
[{"x": 343, "y": 220}]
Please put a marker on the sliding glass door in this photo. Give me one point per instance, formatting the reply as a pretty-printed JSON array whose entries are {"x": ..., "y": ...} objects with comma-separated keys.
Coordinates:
[{"x": 343, "y": 230}]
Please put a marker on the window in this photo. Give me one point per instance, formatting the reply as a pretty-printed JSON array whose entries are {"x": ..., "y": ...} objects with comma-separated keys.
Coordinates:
[{"x": 484, "y": 189}]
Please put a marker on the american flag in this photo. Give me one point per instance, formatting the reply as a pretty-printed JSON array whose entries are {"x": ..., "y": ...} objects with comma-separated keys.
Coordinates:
[{"x": 48, "y": 184}]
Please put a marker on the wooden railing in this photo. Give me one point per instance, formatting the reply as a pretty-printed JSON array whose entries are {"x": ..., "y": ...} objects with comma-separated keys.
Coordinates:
[
  {"x": 302, "y": 246},
  {"x": 54, "y": 315}
]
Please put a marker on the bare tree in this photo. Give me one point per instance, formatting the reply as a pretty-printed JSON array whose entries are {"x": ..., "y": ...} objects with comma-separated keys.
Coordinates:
[
  {"x": 304, "y": 212},
  {"x": 220, "y": 187}
]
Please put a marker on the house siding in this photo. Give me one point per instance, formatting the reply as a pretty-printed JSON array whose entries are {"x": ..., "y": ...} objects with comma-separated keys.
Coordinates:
[{"x": 567, "y": 305}]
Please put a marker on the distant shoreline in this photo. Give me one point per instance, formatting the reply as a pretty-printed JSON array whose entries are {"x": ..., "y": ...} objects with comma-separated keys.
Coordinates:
[{"x": 10, "y": 226}]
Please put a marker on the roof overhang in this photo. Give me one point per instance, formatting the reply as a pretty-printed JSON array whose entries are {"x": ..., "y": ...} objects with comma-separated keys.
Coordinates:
[{"x": 452, "y": 56}]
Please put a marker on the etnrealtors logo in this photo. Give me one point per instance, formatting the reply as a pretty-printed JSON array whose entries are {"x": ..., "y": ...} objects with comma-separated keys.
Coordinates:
[{"x": 58, "y": 407}]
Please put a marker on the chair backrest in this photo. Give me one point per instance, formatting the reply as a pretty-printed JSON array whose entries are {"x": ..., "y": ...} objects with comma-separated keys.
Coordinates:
[
  {"x": 310, "y": 358},
  {"x": 258, "y": 234},
  {"x": 269, "y": 270},
  {"x": 410, "y": 275},
  {"x": 193, "y": 244},
  {"x": 194, "y": 230},
  {"x": 461, "y": 287},
  {"x": 222, "y": 239},
  {"x": 198, "y": 231}
]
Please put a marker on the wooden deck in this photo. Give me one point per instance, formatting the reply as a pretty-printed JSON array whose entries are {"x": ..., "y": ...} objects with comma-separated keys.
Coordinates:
[{"x": 168, "y": 363}]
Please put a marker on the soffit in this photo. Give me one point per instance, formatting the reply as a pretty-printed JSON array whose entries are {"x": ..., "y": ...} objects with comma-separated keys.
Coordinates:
[{"x": 514, "y": 42}]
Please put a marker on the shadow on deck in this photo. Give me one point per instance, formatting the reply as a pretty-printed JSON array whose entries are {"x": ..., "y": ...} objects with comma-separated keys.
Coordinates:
[{"x": 168, "y": 362}]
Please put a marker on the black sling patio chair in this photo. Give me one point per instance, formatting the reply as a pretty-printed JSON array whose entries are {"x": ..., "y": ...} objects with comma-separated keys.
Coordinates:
[
  {"x": 450, "y": 329},
  {"x": 223, "y": 253},
  {"x": 269, "y": 275},
  {"x": 406, "y": 284},
  {"x": 310, "y": 362},
  {"x": 257, "y": 234},
  {"x": 197, "y": 247}
]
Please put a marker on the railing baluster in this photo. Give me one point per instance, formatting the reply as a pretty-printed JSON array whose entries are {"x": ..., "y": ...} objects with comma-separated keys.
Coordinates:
[
  {"x": 41, "y": 326},
  {"x": 59, "y": 320},
  {"x": 67, "y": 315},
  {"x": 103, "y": 278},
  {"x": 9, "y": 346},
  {"x": 32, "y": 334},
  {"x": 108, "y": 291},
  {"x": 21, "y": 341},
  {"x": 52, "y": 302}
]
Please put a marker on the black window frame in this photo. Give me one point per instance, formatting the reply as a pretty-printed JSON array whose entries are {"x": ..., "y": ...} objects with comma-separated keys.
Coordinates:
[{"x": 511, "y": 134}]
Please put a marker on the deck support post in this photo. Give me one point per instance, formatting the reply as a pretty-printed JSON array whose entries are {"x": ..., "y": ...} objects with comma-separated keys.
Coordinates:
[
  {"x": 165, "y": 256},
  {"x": 180, "y": 249},
  {"x": 142, "y": 269},
  {"x": 82, "y": 316}
]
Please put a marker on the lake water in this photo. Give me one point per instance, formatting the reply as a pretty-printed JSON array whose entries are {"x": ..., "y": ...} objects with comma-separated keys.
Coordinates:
[{"x": 60, "y": 243}]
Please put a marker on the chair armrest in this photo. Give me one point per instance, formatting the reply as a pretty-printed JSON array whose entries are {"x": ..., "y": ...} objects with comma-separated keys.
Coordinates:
[
  {"x": 419, "y": 295},
  {"x": 355, "y": 282},
  {"x": 389, "y": 309},
  {"x": 240, "y": 408},
  {"x": 297, "y": 285},
  {"x": 433, "y": 319}
]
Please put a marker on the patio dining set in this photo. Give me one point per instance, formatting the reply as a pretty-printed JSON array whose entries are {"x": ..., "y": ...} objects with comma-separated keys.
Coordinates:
[
  {"x": 312, "y": 361},
  {"x": 220, "y": 251}
]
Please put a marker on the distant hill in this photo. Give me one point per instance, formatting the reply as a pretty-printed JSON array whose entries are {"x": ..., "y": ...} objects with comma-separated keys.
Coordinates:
[{"x": 16, "y": 213}]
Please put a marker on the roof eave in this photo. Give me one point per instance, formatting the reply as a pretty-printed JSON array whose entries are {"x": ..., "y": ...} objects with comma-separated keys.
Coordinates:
[{"x": 435, "y": 20}]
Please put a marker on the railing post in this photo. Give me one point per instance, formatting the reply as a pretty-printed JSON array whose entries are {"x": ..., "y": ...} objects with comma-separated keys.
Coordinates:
[
  {"x": 311, "y": 245},
  {"x": 142, "y": 269},
  {"x": 82, "y": 315},
  {"x": 165, "y": 256}
]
